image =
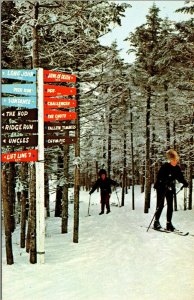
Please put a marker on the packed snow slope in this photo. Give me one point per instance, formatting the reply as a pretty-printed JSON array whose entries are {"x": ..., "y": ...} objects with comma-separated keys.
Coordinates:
[{"x": 115, "y": 259}]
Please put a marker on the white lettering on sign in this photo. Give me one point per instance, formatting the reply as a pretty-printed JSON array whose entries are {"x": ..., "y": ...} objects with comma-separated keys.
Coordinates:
[
  {"x": 18, "y": 140},
  {"x": 54, "y": 127},
  {"x": 59, "y": 76},
  {"x": 13, "y": 127},
  {"x": 51, "y": 141},
  {"x": 69, "y": 127},
  {"x": 27, "y": 126},
  {"x": 28, "y": 90},
  {"x": 50, "y": 90},
  {"x": 19, "y": 101},
  {"x": 19, "y": 73},
  {"x": 18, "y": 90},
  {"x": 59, "y": 103},
  {"x": 11, "y": 156},
  {"x": 61, "y": 116},
  {"x": 22, "y": 113},
  {"x": 9, "y": 114}
]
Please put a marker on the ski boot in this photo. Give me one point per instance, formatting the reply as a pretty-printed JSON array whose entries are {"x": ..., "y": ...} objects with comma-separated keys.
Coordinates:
[
  {"x": 101, "y": 213},
  {"x": 169, "y": 226},
  {"x": 157, "y": 225}
]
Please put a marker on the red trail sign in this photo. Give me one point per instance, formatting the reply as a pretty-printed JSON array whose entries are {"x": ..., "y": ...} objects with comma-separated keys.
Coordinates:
[
  {"x": 57, "y": 115},
  {"x": 57, "y": 90},
  {"x": 53, "y": 76},
  {"x": 59, "y": 103},
  {"x": 20, "y": 156}
]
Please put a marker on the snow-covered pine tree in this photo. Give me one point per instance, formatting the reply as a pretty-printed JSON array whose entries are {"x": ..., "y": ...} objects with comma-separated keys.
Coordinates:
[{"x": 145, "y": 41}]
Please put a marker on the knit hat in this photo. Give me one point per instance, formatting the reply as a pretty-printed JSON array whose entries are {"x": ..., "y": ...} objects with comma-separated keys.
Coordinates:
[{"x": 102, "y": 171}]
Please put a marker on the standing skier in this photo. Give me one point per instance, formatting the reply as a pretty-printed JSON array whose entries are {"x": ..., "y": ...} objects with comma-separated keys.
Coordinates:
[
  {"x": 165, "y": 186},
  {"x": 104, "y": 183}
]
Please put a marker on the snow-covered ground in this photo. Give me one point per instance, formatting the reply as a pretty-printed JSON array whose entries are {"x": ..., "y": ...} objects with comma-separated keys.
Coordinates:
[{"x": 115, "y": 259}]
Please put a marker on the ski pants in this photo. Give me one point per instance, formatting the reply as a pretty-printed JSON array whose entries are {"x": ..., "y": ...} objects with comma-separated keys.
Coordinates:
[
  {"x": 161, "y": 195},
  {"x": 105, "y": 201}
]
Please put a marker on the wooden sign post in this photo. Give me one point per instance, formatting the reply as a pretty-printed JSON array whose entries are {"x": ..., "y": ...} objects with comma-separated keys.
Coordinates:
[{"x": 40, "y": 209}]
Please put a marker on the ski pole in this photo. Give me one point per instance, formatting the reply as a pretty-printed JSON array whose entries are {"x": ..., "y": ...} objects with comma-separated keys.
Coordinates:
[
  {"x": 117, "y": 197},
  {"x": 158, "y": 208},
  {"x": 89, "y": 206}
]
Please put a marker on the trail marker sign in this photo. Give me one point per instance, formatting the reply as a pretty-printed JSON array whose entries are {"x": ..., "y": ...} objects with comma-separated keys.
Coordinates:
[
  {"x": 20, "y": 156},
  {"x": 53, "y": 76}
]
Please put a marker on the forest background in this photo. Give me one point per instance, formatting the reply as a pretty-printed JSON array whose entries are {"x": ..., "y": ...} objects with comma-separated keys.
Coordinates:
[{"x": 129, "y": 114}]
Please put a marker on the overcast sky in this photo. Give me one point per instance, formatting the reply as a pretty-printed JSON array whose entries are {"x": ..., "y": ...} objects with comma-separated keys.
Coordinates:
[{"x": 136, "y": 16}]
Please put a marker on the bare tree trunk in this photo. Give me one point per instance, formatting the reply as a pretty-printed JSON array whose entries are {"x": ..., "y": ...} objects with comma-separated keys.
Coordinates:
[
  {"x": 143, "y": 179},
  {"x": 77, "y": 171},
  {"x": 109, "y": 144},
  {"x": 87, "y": 178},
  {"x": 124, "y": 171},
  {"x": 167, "y": 118},
  {"x": 35, "y": 51},
  {"x": 11, "y": 193},
  {"x": 7, "y": 220},
  {"x": 59, "y": 192},
  {"x": 174, "y": 135},
  {"x": 65, "y": 202},
  {"x": 18, "y": 208},
  {"x": 132, "y": 158},
  {"x": 190, "y": 185},
  {"x": 185, "y": 199},
  {"x": 97, "y": 174},
  {"x": 147, "y": 167},
  {"x": 190, "y": 175}
]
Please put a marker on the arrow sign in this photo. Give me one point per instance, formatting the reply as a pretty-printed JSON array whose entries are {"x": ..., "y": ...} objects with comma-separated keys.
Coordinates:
[
  {"x": 28, "y": 114},
  {"x": 57, "y": 115},
  {"x": 57, "y": 90},
  {"x": 27, "y": 75},
  {"x": 53, "y": 141},
  {"x": 23, "y": 127},
  {"x": 52, "y": 76},
  {"x": 19, "y": 89},
  {"x": 20, "y": 141},
  {"x": 59, "y": 103},
  {"x": 20, "y": 156},
  {"x": 57, "y": 127},
  {"x": 29, "y": 102}
]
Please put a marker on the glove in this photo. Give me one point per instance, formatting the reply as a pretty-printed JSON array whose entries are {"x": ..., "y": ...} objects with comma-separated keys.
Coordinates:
[
  {"x": 90, "y": 193},
  {"x": 185, "y": 184}
]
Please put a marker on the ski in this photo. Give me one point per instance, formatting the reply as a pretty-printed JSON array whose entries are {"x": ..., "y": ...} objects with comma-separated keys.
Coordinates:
[
  {"x": 178, "y": 232},
  {"x": 161, "y": 230}
]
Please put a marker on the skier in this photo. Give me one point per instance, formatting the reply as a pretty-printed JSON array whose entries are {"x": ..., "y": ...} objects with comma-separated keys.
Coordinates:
[
  {"x": 165, "y": 187},
  {"x": 104, "y": 183}
]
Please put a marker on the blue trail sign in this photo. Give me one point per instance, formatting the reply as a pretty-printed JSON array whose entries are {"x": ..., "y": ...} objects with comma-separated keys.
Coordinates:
[
  {"x": 27, "y": 75},
  {"x": 19, "y": 89},
  {"x": 28, "y": 102}
]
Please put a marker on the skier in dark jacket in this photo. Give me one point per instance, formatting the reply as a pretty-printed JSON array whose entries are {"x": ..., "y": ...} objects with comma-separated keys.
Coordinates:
[
  {"x": 104, "y": 183},
  {"x": 165, "y": 186}
]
